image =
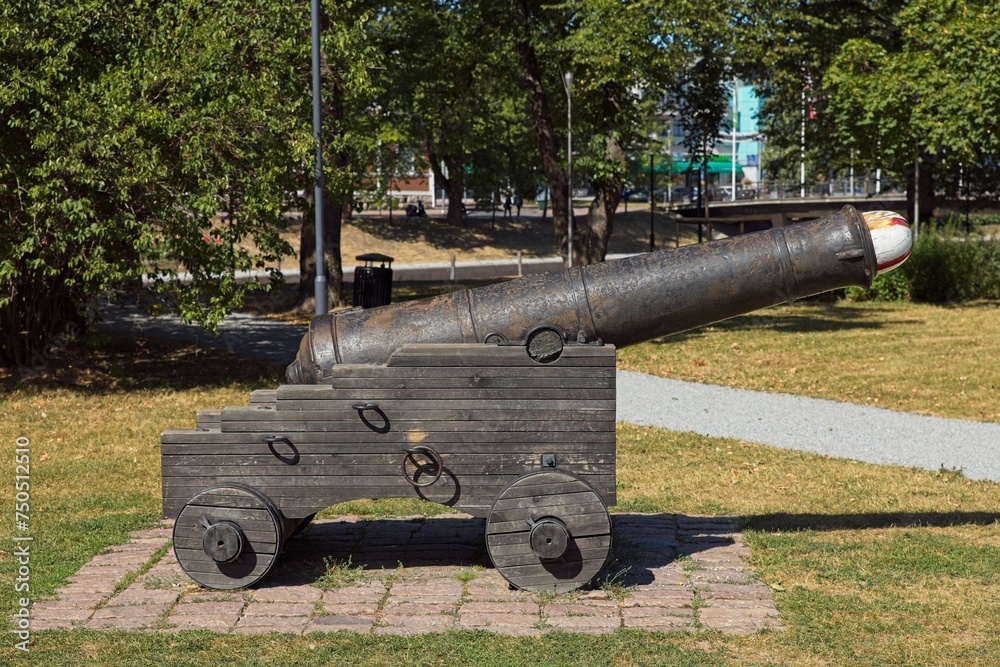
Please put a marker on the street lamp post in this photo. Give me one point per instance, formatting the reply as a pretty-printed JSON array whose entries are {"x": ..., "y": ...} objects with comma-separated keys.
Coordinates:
[
  {"x": 652, "y": 205},
  {"x": 568, "y": 84},
  {"x": 319, "y": 286}
]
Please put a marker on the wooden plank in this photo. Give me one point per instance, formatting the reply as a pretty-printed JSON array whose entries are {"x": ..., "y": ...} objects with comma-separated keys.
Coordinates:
[
  {"x": 276, "y": 487},
  {"x": 293, "y": 504},
  {"x": 390, "y": 416},
  {"x": 196, "y": 560},
  {"x": 555, "y": 576},
  {"x": 530, "y": 558},
  {"x": 523, "y": 490},
  {"x": 515, "y": 515},
  {"x": 567, "y": 401},
  {"x": 556, "y": 503},
  {"x": 247, "y": 519},
  {"x": 263, "y": 396},
  {"x": 194, "y": 542},
  {"x": 475, "y": 441},
  {"x": 459, "y": 470},
  {"x": 218, "y": 499},
  {"x": 435, "y": 397},
  {"x": 342, "y": 372},
  {"x": 311, "y": 484},
  {"x": 303, "y": 483},
  {"x": 461, "y": 378},
  {"x": 299, "y": 508},
  {"x": 430, "y": 425},
  {"x": 431, "y": 410},
  {"x": 208, "y": 419},
  {"x": 527, "y": 462},
  {"x": 523, "y": 546}
]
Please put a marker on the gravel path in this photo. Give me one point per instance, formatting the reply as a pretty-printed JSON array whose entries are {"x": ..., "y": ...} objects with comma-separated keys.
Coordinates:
[
  {"x": 815, "y": 425},
  {"x": 844, "y": 430}
]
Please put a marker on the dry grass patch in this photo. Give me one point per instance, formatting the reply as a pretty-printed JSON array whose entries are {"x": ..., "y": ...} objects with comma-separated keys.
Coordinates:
[
  {"x": 869, "y": 565},
  {"x": 683, "y": 472},
  {"x": 94, "y": 419},
  {"x": 913, "y": 357},
  {"x": 433, "y": 239}
]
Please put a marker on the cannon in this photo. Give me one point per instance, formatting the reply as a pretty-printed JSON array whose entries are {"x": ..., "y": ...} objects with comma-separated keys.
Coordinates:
[{"x": 498, "y": 401}]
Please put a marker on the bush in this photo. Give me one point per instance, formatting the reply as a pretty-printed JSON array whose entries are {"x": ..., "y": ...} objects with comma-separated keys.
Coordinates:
[
  {"x": 948, "y": 265},
  {"x": 894, "y": 286}
]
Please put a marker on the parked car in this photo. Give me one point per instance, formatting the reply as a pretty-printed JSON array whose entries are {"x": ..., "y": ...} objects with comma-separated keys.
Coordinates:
[{"x": 635, "y": 195}]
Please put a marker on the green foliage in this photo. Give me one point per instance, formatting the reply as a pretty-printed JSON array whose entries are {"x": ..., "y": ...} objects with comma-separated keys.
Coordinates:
[
  {"x": 449, "y": 90},
  {"x": 943, "y": 76},
  {"x": 787, "y": 48},
  {"x": 140, "y": 140},
  {"x": 949, "y": 266},
  {"x": 893, "y": 286}
]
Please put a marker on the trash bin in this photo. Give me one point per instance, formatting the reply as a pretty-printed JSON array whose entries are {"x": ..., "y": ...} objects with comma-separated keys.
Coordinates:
[{"x": 373, "y": 284}]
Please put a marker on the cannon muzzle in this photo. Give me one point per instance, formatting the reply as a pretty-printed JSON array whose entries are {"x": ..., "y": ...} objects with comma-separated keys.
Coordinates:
[{"x": 626, "y": 301}]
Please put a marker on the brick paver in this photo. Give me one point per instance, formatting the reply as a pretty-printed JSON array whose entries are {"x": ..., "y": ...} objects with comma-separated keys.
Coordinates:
[{"x": 413, "y": 576}]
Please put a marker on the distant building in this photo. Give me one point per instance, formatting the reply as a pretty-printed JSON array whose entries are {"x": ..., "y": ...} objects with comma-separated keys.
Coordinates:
[{"x": 747, "y": 141}]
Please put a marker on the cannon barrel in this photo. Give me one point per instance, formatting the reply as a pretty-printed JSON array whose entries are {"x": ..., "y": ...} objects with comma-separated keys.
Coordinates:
[{"x": 621, "y": 302}]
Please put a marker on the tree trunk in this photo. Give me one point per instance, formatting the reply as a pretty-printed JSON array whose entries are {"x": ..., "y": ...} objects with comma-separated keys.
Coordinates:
[
  {"x": 454, "y": 188},
  {"x": 541, "y": 120},
  {"x": 928, "y": 200},
  {"x": 590, "y": 239},
  {"x": 590, "y": 243},
  {"x": 333, "y": 267}
]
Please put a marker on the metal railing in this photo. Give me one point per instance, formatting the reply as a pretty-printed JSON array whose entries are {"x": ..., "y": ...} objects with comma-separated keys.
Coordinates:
[{"x": 863, "y": 186}]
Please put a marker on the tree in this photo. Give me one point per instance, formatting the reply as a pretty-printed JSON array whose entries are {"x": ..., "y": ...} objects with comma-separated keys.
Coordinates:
[
  {"x": 618, "y": 53},
  {"x": 448, "y": 89},
  {"x": 142, "y": 140},
  {"x": 700, "y": 97},
  {"x": 934, "y": 97},
  {"x": 787, "y": 48}
]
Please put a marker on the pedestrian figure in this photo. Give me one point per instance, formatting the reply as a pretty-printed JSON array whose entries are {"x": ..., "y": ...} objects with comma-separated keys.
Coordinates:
[
  {"x": 421, "y": 212},
  {"x": 517, "y": 204},
  {"x": 506, "y": 205}
]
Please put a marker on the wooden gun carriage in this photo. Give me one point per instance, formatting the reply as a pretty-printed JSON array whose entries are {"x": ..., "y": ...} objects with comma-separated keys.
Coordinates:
[{"x": 498, "y": 401}]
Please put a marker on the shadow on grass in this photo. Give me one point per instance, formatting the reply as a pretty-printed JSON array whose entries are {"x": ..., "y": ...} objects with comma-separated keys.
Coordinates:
[
  {"x": 531, "y": 234},
  {"x": 786, "y": 522},
  {"x": 119, "y": 364},
  {"x": 823, "y": 317}
]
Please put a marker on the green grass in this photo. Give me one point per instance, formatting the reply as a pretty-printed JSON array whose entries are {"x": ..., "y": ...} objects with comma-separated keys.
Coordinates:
[
  {"x": 457, "y": 648},
  {"x": 870, "y": 565}
]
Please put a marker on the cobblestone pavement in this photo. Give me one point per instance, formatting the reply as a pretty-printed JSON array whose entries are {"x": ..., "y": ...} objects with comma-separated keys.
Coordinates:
[{"x": 417, "y": 575}]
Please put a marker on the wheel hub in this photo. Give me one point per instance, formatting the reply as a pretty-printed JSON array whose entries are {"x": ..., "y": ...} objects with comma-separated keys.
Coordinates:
[
  {"x": 223, "y": 541},
  {"x": 549, "y": 538}
]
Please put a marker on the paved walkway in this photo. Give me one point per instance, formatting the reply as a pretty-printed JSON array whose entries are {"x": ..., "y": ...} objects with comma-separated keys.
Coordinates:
[{"x": 412, "y": 576}]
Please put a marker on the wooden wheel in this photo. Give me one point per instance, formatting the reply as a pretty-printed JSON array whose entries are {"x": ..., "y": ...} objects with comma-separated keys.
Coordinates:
[
  {"x": 548, "y": 531},
  {"x": 228, "y": 536}
]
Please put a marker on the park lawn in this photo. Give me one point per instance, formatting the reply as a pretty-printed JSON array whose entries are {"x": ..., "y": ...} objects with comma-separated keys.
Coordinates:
[
  {"x": 928, "y": 359},
  {"x": 868, "y": 564}
]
